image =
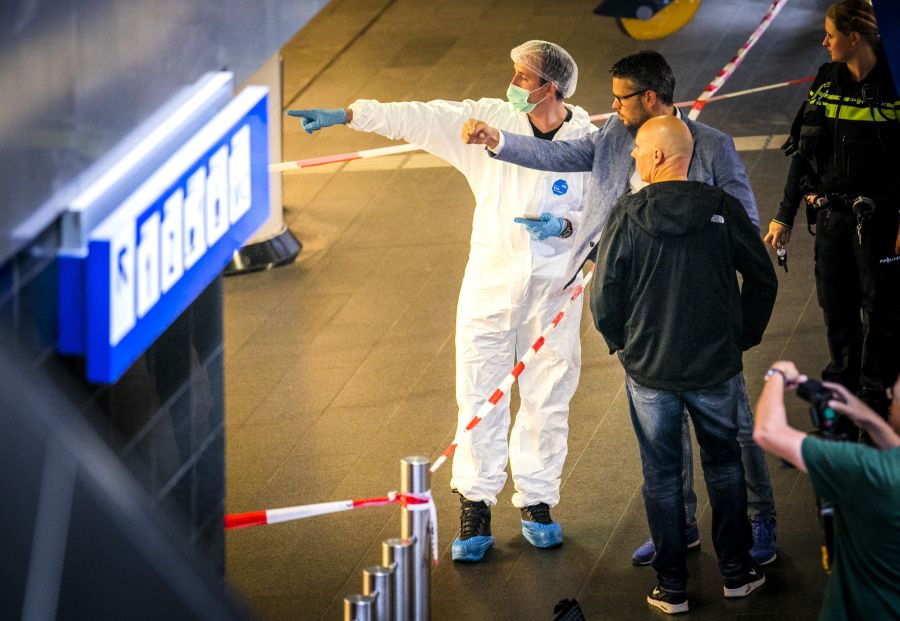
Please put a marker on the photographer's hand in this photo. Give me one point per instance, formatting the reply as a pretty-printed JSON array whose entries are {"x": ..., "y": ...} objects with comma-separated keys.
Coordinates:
[
  {"x": 863, "y": 416},
  {"x": 789, "y": 372}
]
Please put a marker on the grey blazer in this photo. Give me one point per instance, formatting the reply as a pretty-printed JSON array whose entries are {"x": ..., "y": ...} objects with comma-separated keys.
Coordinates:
[{"x": 607, "y": 154}]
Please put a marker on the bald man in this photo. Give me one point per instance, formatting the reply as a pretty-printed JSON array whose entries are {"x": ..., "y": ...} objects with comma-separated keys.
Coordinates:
[{"x": 667, "y": 299}]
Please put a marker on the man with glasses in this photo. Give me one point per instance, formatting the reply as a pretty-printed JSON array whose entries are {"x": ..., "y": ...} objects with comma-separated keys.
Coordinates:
[{"x": 643, "y": 86}]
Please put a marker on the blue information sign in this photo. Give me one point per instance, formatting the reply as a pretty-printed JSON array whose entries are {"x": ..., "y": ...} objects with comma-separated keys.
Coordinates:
[{"x": 155, "y": 253}]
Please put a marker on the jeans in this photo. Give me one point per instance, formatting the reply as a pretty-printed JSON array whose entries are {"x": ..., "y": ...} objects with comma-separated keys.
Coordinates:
[
  {"x": 756, "y": 473},
  {"x": 657, "y": 419}
]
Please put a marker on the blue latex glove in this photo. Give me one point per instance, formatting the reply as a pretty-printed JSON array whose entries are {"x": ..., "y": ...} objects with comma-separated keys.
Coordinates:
[
  {"x": 314, "y": 120},
  {"x": 548, "y": 226}
]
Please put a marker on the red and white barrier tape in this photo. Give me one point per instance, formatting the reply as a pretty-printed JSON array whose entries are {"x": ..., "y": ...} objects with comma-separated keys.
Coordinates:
[
  {"x": 412, "y": 502},
  {"x": 432, "y": 518},
  {"x": 735, "y": 62},
  {"x": 273, "y": 516},
  {"x": 342, "y": 157},
  {"x": 510, "y": 379}
]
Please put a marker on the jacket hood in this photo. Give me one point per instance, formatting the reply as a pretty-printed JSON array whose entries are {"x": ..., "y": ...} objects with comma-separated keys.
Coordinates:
[{"x": 673, "y": 208}]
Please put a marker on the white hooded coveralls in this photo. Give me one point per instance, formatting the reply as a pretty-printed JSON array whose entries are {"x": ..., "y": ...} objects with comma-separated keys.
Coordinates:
[{"x": 512, "y": 288}]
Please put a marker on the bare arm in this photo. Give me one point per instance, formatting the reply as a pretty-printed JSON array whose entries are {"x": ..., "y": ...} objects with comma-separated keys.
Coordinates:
[{"x": 772, "y": 431}]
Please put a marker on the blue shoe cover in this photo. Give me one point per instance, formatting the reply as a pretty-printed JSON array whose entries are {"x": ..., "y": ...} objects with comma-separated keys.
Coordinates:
[
  {"x": 542, "y": 535},
  {"x": 472, "y": 549}
]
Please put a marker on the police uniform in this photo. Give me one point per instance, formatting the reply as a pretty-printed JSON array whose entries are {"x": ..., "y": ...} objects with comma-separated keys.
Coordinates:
[{"x": 846, "y": 145}]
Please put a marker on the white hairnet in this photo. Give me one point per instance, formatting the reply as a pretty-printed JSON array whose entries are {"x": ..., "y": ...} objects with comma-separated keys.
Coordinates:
[{"x": 549, "y": 61}]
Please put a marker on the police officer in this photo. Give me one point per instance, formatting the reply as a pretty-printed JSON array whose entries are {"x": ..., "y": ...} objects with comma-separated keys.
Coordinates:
[{"x": 845, "y": 143}]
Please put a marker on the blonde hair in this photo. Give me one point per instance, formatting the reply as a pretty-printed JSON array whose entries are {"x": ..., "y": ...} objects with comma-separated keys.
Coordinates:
[{"x": 855, "y": 16}]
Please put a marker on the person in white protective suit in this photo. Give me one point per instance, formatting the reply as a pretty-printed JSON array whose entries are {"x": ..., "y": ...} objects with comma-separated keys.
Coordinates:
[{"x": 513, "y": 286}]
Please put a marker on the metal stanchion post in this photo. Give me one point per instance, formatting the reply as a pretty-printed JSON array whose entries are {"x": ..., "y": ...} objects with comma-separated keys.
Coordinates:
[
  {"x": 377, "y": 582},
  {"x": 359, "y": 608},
  {"x": 397, "y": 554},
  {"x": 416, "y": 525}
]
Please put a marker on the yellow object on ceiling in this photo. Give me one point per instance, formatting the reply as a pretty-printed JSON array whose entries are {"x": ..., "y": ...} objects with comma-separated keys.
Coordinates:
[{"x": 667, "y": 21}]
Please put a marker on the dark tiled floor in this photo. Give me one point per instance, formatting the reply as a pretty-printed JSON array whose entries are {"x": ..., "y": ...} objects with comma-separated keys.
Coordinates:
[{"x": 341, "y": 364}]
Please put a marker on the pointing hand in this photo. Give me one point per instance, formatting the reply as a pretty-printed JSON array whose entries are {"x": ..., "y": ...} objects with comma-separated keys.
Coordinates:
[{"x": 316, "y": 119}]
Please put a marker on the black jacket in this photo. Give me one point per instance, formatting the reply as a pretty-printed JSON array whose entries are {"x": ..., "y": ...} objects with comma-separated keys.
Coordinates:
[
  {"x": 845, "y": 138},
  {"x": 666, "y": 295}
]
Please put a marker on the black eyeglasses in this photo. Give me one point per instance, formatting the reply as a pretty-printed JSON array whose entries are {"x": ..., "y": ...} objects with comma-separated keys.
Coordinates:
[{"x": 622, "y": 99}]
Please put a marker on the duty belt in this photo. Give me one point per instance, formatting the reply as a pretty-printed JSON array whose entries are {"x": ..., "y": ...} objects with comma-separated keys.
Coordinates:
[
  {"x": 863, "y": 207},
  {"x": 845, "y": 200}
]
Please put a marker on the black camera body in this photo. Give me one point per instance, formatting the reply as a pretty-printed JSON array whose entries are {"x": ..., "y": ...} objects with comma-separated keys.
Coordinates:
[{"x": 823, "y": 417}]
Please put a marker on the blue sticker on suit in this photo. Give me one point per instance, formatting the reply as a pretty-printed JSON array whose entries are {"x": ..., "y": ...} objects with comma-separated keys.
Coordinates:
[{"x": 560, "y": 187}]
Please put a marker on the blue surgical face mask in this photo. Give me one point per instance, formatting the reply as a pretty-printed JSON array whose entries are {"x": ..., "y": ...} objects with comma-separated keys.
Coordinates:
[{"x": 518, "y": 97}]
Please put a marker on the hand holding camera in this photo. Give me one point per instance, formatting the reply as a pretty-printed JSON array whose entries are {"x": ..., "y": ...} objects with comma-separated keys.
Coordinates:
[
  {"x": 821, "y": 399},
  {"x": 788, "y": 371},
  {"x": 851, "y": 406}
]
